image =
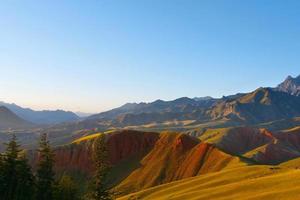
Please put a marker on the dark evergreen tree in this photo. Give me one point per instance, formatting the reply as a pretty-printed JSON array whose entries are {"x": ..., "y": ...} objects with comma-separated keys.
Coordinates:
[
  {"x": 45, "y": 173},
  {"x": 25, "y": 188},
  {"x": 9, "y": 169},
  {"x": 16, "y": 178},
  {"x": 99, "y": 189}
]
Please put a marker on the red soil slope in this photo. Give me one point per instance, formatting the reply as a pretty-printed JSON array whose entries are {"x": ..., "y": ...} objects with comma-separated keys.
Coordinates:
[
  {"x": 141, "y": 160},
  {"x": 121, "y": 146},
  {"x": 174, "y": 157}
]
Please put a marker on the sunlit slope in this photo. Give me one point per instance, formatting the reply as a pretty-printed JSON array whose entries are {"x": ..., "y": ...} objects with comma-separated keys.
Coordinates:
[
  {"x": 142, "y": 160},
  {"x": 86, "y": 138},
  {"x": 251, "y": 182},
  {"x": 175, "y": 157}
]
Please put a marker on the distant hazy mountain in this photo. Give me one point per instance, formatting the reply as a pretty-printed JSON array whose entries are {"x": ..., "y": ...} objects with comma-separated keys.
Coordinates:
[
  {"x": 41, "y": 117},
  {"x": 290, "y": 85},
  {"x": 180, "y": 105},
  {"x": 262, "y": 105},
  {"x": 83, "y": 114},
  {"x": 203, "y": 98},
  {"x": 10, "y": 120}
]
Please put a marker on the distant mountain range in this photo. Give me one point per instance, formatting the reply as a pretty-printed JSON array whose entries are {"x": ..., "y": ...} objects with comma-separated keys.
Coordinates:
[
  {"x": 260, "y": 106},
  {"x": 9, "y": 120},
  {"x": 41, "y": 117}
]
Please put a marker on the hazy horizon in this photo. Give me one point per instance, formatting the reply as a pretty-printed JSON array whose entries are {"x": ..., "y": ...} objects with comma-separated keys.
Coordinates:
[
  {"x": 97, "y": 55},
  {"x": 37, "y": 108}
]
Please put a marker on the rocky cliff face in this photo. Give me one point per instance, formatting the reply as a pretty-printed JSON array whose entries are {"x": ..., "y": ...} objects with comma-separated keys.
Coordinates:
[
  {"x": 290, "y": 85},
  {"x": 123, "y": 145}
]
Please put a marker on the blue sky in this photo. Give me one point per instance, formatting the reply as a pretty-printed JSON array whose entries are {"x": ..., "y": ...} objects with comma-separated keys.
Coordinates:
[{"x": 95, "y": 55}]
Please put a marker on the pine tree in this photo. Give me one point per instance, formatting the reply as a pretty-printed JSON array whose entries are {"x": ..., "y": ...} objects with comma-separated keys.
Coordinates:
[
  {"x": 45, "y": 173},
  {"x": 16, "y": 178},
  {"x": 99, "y": 190},
  {"x": 9, "y": 169},
  {"x": 25, "y": 188}
]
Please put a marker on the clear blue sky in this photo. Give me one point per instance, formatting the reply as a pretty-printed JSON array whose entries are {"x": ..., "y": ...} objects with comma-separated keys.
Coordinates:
[{"x": 95, "y": 55}]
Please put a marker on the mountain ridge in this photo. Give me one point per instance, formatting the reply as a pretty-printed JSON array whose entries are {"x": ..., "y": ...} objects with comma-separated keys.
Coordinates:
[
  {"x": 290, "y": 85},
  {"x": 41, "y": 117},
  {"x": 9, "y": 120},
  {"x": 256, "y": 107}
]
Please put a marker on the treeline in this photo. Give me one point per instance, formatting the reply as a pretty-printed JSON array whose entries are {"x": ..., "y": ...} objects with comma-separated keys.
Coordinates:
[{"x": 19, "y": 182}]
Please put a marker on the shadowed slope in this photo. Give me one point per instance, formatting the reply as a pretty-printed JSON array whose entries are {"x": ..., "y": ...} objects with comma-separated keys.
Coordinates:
[
  {"x": 237, "y": 140},
  {"x": 259, "y": 145}
]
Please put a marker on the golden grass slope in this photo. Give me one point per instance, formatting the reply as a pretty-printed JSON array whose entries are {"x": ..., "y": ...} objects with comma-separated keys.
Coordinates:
[
  {"x": 250, "y": 182},
  {"x": 86, "y": 138}
]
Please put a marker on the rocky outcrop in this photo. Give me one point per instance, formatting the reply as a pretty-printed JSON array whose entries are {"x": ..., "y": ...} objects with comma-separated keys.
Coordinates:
[{"x": 290, "y": 85}]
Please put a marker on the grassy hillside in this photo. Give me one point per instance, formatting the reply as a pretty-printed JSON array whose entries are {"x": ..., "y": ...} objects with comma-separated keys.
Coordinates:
[{"x": 250, "y": 182}]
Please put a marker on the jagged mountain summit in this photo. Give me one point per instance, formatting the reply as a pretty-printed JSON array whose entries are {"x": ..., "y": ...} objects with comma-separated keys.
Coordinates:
[
  {"x": 290, "y": 85},
  {"x": 262, "y": 105}
]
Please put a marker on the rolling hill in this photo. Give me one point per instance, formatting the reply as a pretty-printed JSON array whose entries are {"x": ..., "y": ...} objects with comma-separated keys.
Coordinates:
[
  {"x": 144, "y": 159},
  {"x": 251, "y": 182},
  {"x": 220, "y": 163}
]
